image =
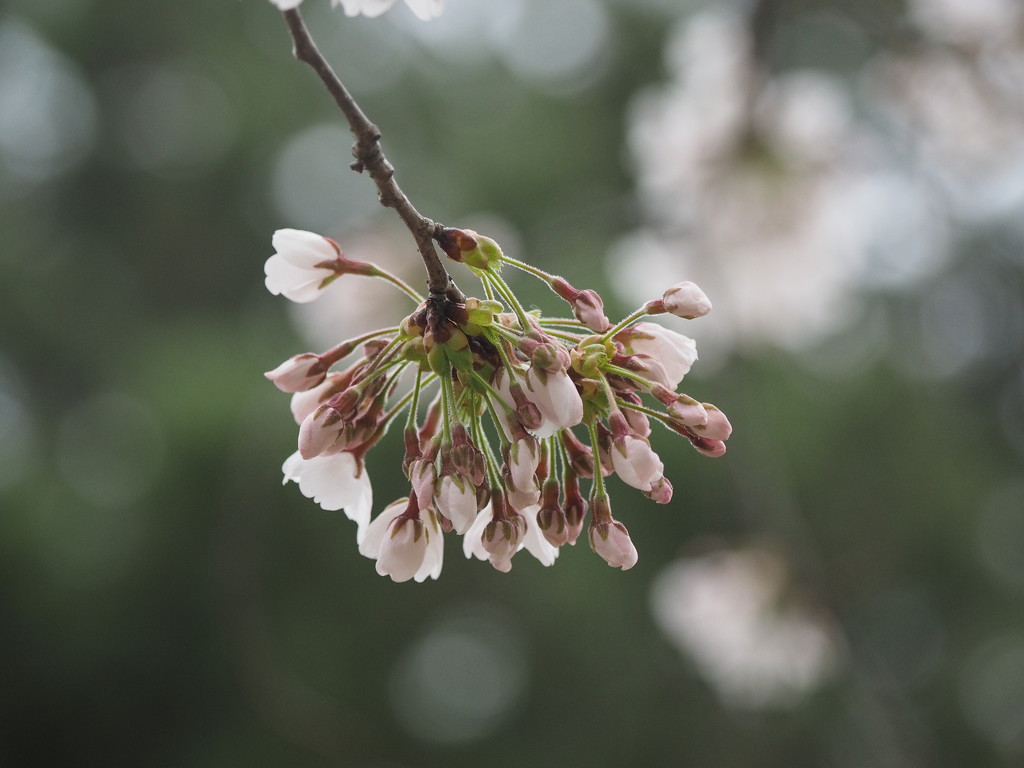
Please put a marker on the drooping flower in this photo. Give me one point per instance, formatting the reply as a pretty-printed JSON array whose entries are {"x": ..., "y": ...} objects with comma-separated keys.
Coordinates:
[
  {"x": 405, "y": 541},
  {"x": 636, "y": 463},
  {"x": 611, "y": 541},
  {"x": 455, "y": 498},
  {"x": 338, "y": 481}
]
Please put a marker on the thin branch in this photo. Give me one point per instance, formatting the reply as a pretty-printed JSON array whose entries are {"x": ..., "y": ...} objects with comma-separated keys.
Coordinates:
[{"x": 370, "y": 158}]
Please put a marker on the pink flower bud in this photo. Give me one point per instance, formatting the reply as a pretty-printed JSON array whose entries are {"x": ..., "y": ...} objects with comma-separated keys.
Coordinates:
[
  {"x": 686, "y": 300},
  {"x": 660, "y": 492},
  {"x": 635, "y": 462},
  {"x": 423, "y": 476},
  {"x": 611, "y": 541},
  {"x": 501, "y": 538},
  {"x": 551, "y": 517},
  {"x": 688, "y": 412},
  {"x": 522, "y": 461},
  {"x": 717, "y": 426},
  {"x": 710, "y": 448},
  {"x": 588, "y": 306},
  {"x": 304, "y": 403},
  {"x": 556, "y": 396},
  {"x": 401, "y": 554},
  {"x": 319, "y": 431},
  {"x": 298, "y": 374},
  {"x": 575, "y": 509},
  {"x": 456, "y": 500}
]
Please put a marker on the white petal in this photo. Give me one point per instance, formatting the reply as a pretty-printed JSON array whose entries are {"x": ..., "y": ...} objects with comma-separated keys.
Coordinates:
[
  {"x": 472, "y": 542},
  {"x": 433, "y": 558},
  {"x": 534, "y": 540},
  {"x": 369, "y": 8},
  {"x": 332, "y": 483},
  {"x": 304, "y": 403},
  {"x": 303, "y": 249},
  {"x": 426, "y": 9},
  {"x": 298, "y": 285},
  {"x": 286, "y": 5},
  {"x": 375, "y": 531}
]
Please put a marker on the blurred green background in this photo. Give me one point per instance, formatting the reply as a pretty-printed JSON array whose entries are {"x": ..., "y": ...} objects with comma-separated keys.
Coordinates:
[{"x": 165, "y": 601}]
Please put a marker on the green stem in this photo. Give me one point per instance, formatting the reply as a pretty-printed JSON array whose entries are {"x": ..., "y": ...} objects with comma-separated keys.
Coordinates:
[
  {"x": 399, "y": 283},
  {"x": 599, "y": 490},
  {"x": 510, "y": 298},
  {"x": 642, "y": 312}
]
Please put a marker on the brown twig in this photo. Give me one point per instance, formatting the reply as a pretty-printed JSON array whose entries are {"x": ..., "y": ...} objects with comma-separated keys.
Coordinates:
[{"x": 370, "y": 158}]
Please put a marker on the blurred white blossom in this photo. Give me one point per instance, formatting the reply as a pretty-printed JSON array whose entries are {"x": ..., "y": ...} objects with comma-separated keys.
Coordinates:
[
  {"x": 957, "y": 100},
  {"x": 425, "y": 9},
  {"x": 756, "y": 645},
  {"x": 764, "y": 190}
]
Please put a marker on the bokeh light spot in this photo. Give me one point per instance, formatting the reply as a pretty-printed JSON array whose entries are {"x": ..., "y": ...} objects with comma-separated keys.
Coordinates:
[
  {"x": 47, "y": 110},
  {"x": 461, "y": 679}
]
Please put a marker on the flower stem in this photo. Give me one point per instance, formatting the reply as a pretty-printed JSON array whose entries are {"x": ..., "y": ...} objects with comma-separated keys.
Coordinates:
[
  {"x": 370, "y": 158},
  {"x": 632, "y": 317}
]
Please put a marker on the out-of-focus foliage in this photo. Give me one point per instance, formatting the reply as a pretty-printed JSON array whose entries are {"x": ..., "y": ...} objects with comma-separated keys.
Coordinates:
[{"x": 165, "y": 601}]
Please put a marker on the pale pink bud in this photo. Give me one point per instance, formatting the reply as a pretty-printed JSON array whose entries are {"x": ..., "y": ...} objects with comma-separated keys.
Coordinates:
[
  {"x": 635, "y": 462},
  {"x": 556, "y": 396},
  {"x": 521, "y": 498},
  {"x": 611, "y": 541},
  {"x": 688, "y": 412},
  {"x": 319, "y": 431},
  {"x": 717, "y": 426},
  {"x": 403, "y": 549},
  {"x": 575, "y": 511},
  {"x": 298, "y": 374},
  {"x": 551, "y": 517},
  {"x": 660, "y": 492},
  {"x": 523, "y": 459},
  {"x": 501, "y": 538},
  {"x": 304, "y": 403},
  {"x": 423, "y": 476},
  {"x": 456, "y": 500},
  {"x": 547, "y": 355},
  {"x": 588, "y": 306},
  {"x": 686, "y": 300},
  {"x": 710, "y": 448}
]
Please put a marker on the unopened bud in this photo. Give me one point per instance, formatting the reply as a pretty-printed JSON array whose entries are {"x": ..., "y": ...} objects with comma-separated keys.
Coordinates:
[
  {"x": 299, "y": 374},
  {"x": 611, "y": 541},
  {"x": 686, "y": 300},
  {"x": 717, "y": 426}
]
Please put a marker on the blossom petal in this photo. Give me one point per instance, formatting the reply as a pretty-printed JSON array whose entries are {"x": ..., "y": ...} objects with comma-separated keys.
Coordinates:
[
  {"x": 303, "y": 249},
  {"x": 334, "y": 482}
]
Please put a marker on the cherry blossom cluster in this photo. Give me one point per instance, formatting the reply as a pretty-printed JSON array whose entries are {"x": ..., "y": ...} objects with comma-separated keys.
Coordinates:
[{"x": 505, "y": 410}]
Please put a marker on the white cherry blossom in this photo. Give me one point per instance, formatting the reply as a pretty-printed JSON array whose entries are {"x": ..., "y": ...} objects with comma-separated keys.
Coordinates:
[
  {"x": 674, "y": 351},
  {"x": 293, "y": 271},
  {"x": 555, "y": 396},
  {"x": 636, "y": 463},
  {"x": 611, "y": 541},
  {"x": 334, "y": 482},
  {"x": 405, "y": 548}
]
